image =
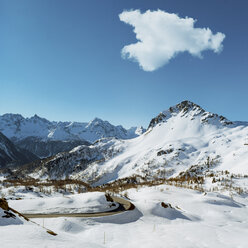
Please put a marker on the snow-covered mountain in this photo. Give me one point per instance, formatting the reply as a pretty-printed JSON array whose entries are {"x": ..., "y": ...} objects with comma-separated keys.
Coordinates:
[
  {"x": 11, "y": 155},
  {"x": 16, "y": 128},
  {"x": 183, "y": 139},
  {"x": 45, "y": 138}
]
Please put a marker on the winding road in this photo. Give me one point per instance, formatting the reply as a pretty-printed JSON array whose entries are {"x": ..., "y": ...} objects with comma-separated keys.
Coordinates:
[{"x": 124, "y": 205}]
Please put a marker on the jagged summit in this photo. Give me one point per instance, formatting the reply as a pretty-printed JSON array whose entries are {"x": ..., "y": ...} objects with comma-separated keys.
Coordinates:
[
  {"x": 12, "y": 117},
  {"x": 35, "y": 117},
  {"x": 183, "y": 136},
  {"x": 188, "y": 109},
  {"x": 17, "y": 128},
  {"x": 180, "y": 137},
  {"x": 186, "y": 106},
  {"x": 97, "y": 122},
  {"x": 46, "y": 138}
]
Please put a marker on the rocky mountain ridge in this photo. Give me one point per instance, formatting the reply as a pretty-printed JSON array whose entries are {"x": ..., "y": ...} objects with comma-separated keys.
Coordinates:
[
  {"x": 46, "y": 138},
  {"x": 186, "y": 140},
  {"x": 16, "y": 128},
  {"x": 188, "y": 109}
]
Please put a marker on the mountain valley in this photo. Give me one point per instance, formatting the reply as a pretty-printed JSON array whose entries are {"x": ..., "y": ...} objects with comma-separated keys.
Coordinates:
[
  {"x": 187, "y": 172},
  {"x": 184, "y": 141}
]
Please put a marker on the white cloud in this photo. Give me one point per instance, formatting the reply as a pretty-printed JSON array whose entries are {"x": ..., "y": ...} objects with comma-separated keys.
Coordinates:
[{"x": 161, "y": 36}]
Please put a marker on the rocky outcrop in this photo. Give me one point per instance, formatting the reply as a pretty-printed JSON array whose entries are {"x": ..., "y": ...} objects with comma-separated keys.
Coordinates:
[
  {"x": 4, "y": 204},
  {"x": 188, "y": 108}
]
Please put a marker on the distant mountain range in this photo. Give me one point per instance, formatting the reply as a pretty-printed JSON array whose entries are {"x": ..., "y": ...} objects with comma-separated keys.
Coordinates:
[
  {"x": 185, "y": 139},
  {"x": 46, "y": 138}
]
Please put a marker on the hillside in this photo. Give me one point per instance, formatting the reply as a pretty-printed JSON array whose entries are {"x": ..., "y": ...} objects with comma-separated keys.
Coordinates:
[
  {"x": 184, "y": 140},
  {"x": 10, "y": 155}
]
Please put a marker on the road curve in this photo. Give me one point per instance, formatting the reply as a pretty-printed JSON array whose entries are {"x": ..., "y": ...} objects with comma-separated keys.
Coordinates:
[{"x": 124, "y": 205}]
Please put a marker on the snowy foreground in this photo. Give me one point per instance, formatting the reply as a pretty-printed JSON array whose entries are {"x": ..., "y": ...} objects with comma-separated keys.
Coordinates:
[{"x": 193, "y": 220}]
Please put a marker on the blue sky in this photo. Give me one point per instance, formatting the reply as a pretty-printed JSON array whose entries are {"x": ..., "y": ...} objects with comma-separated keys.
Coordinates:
[{"x": 62, "y": 60}]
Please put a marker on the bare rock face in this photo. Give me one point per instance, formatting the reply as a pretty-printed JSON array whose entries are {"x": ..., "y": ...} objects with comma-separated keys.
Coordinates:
[
  {"x": 166, "y": 205},
  {"x": 4, "y": 204}
]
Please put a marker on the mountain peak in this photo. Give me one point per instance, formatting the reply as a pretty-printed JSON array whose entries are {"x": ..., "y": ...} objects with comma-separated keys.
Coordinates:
[
  {"x": 18, "y": 128},
  {"x": 96, "y": 119},
  {"x": 191, "y": 110},
  {"x": 38, "y": 118},
  {"x": 10, "y": 116},
  {"x": 96, "y": 122},
  {"x": 186, "y": 106}
]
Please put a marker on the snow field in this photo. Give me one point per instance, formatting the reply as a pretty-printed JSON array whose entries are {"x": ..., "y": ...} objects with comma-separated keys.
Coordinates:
[{"x": 195, "y": 220}]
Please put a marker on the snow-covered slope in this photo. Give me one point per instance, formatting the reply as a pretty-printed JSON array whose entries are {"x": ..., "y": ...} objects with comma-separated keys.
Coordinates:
[
  {"x": 183, "y": 138},
  {"x": 7, "y": 217},
  {"x": 17, "y": 128},
  {"x": 192, "y": 219},
  {"x": 76, "y": 161}
]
